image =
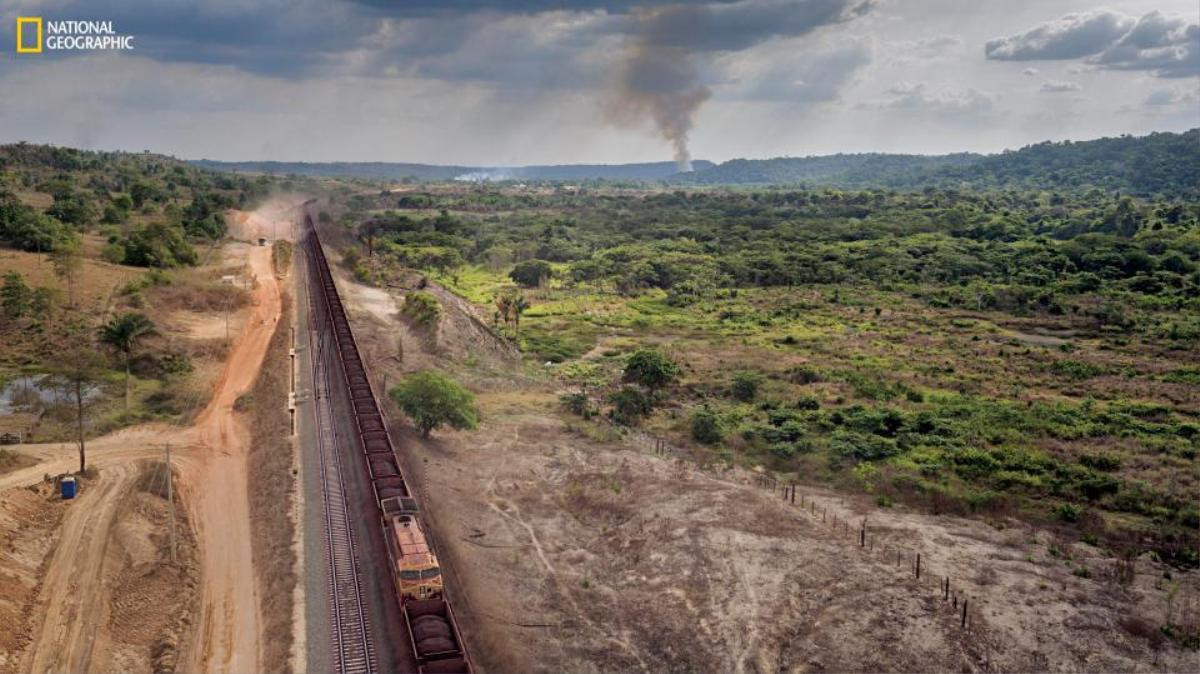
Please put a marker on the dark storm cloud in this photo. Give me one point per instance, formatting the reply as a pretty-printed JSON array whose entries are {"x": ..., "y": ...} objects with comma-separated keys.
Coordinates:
[
  {"x": 1166, "y": 46},
  {"x": 303, "y": 37},
  {"x": 271, "y": 37},
  {"x": 519, "y": 6},
  {"x": 735, "y": 26}
]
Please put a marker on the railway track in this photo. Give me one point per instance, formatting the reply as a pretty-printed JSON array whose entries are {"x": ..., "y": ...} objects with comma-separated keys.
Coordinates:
[
  {"x": 352, "y": 643},
  {"x": 434, "y": 641}
]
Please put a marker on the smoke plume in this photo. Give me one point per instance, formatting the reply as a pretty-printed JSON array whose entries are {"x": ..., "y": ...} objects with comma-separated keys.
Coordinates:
[
  {"x": 659, "y": 78},
  {"x": 660, "y": 75}
]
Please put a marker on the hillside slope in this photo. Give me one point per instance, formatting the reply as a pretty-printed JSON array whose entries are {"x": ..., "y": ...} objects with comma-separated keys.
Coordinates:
[{"x": 1160, "y": 163}]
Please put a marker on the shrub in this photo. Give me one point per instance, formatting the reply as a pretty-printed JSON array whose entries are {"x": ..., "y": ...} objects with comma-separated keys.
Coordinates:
[
  {"x": 531, "y": 273},
  {"x": 577, "y": 403},
  {"x": 1076, "y": 370},
  {"x": 1105, "y": 462},
  {"x": 433, "y": 400},
  {"x": 706, "y": 427},
  {"x": 745, "y": 386},
  {"x": 802, "y": 374},
  {"x": 1097, "y": 484},
  {"x": 861, "y": 446},
  {"x": 421, "y": 308},
  {"x": 630, "y": 405},
  {"x": 808, "y": 403},
  {"x": 686, "y": 293},
  {"x": 1068, "y": 512},
  {"x": 973, "y": 462},
  {"x": 650, "y": 368}
]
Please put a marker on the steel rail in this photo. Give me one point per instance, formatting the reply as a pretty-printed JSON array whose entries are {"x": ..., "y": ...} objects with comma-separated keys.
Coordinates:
[{"x": 350, "y": 628}]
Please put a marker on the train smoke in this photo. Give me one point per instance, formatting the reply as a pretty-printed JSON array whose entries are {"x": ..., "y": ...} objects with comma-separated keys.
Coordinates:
[{"x": 659, "y": 77}]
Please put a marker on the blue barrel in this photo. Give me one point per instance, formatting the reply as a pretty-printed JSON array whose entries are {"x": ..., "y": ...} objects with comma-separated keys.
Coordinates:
[{"x": 68, "y": 487}]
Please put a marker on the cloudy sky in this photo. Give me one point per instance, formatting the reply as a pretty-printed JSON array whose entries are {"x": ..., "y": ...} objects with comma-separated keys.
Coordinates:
[{"x": 494, "y": 82}]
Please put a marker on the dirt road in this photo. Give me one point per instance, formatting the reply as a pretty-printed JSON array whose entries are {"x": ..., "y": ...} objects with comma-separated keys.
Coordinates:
[{"x": 216, "y": 492}]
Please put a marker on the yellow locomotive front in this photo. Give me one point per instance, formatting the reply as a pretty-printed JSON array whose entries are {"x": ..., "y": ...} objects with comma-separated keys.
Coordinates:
[{"x": 415, "y": 567}]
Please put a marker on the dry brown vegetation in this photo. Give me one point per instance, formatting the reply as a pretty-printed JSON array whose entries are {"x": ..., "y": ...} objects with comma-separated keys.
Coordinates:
[{"x": 271, "y": 470}]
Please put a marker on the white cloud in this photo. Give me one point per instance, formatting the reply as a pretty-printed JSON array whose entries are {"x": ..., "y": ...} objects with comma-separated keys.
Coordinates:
[
  {"x": 1072, "y": 36},
  {"x": 1167, "y": 46},
  {"x": 790, "y": 71},
  {"x": 918, "y": 97}
]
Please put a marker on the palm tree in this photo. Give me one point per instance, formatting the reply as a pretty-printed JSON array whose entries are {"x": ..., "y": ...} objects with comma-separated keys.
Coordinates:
[
  {"x": 519, "y": 305},
  {"x": 124, "y": 333}
]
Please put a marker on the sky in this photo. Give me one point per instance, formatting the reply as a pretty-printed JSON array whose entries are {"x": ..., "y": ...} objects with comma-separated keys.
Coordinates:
[{"x": 499, "y": 83}]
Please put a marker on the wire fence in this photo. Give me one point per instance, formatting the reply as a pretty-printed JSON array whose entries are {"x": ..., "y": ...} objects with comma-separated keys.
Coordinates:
[
  {"x": 919, "y": 570},
  {"x": 871, "y": 542}
]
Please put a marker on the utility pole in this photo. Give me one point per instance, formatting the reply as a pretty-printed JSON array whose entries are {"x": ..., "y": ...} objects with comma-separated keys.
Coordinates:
[{"x": 171, "y": 502}]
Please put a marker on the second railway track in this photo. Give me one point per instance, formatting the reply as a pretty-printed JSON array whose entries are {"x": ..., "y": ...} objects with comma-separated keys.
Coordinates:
[{"x": 352, "y": 643}]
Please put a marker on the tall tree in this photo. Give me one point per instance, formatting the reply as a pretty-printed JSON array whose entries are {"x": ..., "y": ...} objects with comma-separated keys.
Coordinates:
[
  {"x": 519, "y": 305},
  {"x": 432, "y": 399},
  {"x": 124, "y": 334},
  {"x": 67, "y": 265},
  {"x": 77, "y": 366}
]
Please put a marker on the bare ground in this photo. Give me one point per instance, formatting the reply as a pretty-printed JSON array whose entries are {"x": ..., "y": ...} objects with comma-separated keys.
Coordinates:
[{"x": 570, "y": 550}]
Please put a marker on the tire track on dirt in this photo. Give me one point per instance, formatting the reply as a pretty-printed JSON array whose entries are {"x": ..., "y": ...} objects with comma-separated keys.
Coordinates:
[{"x": 60, "y": 642}]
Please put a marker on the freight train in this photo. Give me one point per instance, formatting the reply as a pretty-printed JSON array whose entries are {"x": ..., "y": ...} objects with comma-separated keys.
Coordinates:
[{"x": 433, "y": 634}]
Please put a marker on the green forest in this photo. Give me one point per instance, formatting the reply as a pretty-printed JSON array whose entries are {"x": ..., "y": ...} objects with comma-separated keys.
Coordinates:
[{"x": 1157, "y": 164}]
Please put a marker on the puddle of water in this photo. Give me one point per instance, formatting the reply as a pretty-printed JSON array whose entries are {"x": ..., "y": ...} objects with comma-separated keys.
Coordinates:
[{"x": 32, "y": 394}]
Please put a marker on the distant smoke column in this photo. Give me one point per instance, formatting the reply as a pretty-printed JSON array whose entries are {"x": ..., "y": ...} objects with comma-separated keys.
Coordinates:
[{"x": 659, "y": 78}]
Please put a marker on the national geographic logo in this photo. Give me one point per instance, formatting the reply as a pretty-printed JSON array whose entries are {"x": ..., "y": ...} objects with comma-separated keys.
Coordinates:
[{"x": 68, "y": 36}]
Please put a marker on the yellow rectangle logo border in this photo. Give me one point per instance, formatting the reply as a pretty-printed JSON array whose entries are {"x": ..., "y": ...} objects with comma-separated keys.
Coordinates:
[{"x": 23, "y": 21}]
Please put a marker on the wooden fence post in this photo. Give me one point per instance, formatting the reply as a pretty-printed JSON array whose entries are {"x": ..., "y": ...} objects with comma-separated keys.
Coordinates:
[
  {"x": 964, "y": 614},
  {"x": 918, "y": 566}
]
